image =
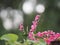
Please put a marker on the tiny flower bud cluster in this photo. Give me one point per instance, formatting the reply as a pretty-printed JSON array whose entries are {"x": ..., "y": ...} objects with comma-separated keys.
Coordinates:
[
  {"x": 34, "y": 23},
  {"x": 33, "y": 27}
]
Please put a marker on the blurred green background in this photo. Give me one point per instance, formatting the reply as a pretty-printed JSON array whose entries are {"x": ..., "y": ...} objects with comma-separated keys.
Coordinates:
[{"x": 50, "y": 19}]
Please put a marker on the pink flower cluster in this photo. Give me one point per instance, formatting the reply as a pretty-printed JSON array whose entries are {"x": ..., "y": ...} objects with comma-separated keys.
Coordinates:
[
  {"x": 31, "y": 36},
  {"x": 51, "y": 36},
  {"x": 34, "y": 23},
  {"x": 33, "y": 27},
  {"x": 47, "y": 36}
]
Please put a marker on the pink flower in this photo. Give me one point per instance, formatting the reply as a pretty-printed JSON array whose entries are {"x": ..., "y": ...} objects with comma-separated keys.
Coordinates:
[
  {"x": 51, "y": 32},
  {"x": 47, "y": 40},
  {"x": 32, "y": 28},
  {"x": 52, "y": 38},
  {"x": 45, "y": 32},
  {"x": 39, "y": 34},
  {"x": 57, "y": 35},
  {"x": 34, "y": 23},
  {"x": 37, "y": 17},
  {"x": 31, "y": 35},
  {"x": 21, "y": 27}
]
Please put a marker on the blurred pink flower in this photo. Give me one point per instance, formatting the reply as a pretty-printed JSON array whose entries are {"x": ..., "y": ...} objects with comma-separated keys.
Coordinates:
[
  {"x": 32, "y": 28},
  {"x": 34, "y": 23},
  {"x": 47, "y": 40},
  {"x": 31, "y": 35},
  {"x": 21, "y": 27},
  {"x": 51, "y": 32},
  {"x": 39, "y": 34},
  {"x": 57, "y": 35},
  {"x": 37, "y": 17}
]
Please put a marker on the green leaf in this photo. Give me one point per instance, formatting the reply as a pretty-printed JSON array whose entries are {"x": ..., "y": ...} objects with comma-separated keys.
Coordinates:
[
  {"x": 9, "y": 37},
  {"x": 42, "y": 42}
]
